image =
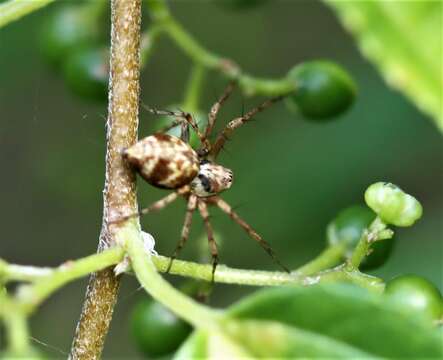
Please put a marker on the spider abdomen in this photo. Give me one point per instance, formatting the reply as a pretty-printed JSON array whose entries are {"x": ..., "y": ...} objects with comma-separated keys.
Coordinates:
[{"x": 163, "y": 160}]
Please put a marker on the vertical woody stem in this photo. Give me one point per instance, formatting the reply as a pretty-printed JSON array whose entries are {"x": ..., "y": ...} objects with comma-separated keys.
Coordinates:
[{"x": 119, "y": 191}]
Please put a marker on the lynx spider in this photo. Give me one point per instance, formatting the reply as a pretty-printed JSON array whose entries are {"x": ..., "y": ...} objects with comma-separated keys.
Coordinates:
[{"x": 169, "y": 162}]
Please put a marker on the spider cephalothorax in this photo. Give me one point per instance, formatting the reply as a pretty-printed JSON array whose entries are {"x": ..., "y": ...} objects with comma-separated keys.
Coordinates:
[
  {"x": 211, "y": 179},
  {"x": 169, "y": 162}
]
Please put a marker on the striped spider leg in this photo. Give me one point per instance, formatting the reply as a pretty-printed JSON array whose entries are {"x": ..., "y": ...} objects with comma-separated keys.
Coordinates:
[{"x": 169, "y": 162}]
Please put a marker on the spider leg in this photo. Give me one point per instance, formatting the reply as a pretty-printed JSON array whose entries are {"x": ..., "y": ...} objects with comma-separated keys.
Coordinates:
[
  {"x": 237, "y": 122},
  {"x": 203, "y": 208},
  {"x": 212, "y": 116},
  {"x": 225, "y": 207},
  {"x": 170, "y": 126},
  {"x": 181, "y": 117},
  {"x": 184, "y": 129},
  {"x": 156, "y": 206},
  {"x": 192, "y": 204},
  {"x": 184, "y": 132}
]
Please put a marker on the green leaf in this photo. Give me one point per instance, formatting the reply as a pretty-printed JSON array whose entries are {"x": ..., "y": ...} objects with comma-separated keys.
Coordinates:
[
  {"x": 403, "y": 38},
  {"x": 334, "y": 321}
]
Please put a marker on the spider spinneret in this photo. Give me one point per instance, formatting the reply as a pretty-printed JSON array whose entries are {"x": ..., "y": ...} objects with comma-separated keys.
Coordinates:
[{"x": 169, "y": 162}]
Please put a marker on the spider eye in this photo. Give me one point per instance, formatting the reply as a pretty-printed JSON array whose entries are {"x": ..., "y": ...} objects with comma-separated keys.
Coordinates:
[{"x": 206, "y": 184}]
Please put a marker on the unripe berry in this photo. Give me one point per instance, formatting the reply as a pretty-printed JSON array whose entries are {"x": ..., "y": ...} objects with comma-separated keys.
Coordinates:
[
  {"x": 323, "y": 89},
  {"x": 347, "y": 228},
  {"x": 392, "y": 204},
  {"x": 417, "y": 293},
  {"x": 65, "y": 31},
  {"x": 86, "y": 72},
  {"x": 156, "y": 330}
]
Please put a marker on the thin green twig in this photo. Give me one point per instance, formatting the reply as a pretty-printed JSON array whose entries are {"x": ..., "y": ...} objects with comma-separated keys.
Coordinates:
[
  {"x": 197, "y": 314},
  {"x": 368, "y": 237},
  {"x": 15, "y": 9},
  {"x": 328, "y": 258},
  {"x": 200, "y": 55},
  {"x": 194, "y": 88},
  {"x": 17, "y": 332},
  {"x": 31, "y": 296},
  {"x": 48, "y": 280}
]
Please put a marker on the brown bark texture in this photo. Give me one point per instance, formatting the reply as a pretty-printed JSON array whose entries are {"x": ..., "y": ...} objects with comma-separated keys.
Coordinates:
[{"x": 120, "y": 189}]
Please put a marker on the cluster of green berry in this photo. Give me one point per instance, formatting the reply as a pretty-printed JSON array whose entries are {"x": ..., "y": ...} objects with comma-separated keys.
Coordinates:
[
  {"x": 393, "y": 207},
  {"x": 158, "y": 332},
  {"x": 73, "y": 42},
  {"x": 74, "y": 45}
]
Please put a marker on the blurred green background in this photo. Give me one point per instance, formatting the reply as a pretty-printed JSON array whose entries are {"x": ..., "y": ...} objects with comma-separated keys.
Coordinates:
[{"x": 291, "y": 176}]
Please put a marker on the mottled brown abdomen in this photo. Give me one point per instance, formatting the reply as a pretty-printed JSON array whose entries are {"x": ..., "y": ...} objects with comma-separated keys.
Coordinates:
[{"x": 163, "y": 160}]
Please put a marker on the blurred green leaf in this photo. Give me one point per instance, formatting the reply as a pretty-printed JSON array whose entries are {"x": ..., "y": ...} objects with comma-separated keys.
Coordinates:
[
  {"x": 321, "y": 321},
  {"x": 404, "y": 40}
]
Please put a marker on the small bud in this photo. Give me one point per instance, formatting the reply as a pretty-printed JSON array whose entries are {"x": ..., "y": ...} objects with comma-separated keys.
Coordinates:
[
  {"x": 323, "y": 89},
  {"x": 392, "y": 204}
]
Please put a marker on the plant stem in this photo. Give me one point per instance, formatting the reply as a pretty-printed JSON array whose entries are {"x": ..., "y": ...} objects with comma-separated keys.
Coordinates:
[
  {"x": 250, "y": 85},
  {"x": 196, "y": 314},
  {"x": 15, "y": 9},
  {"x": 367, "y": 238},
  {"x": 15, "y": 272},
  {"x": 120, "y": 189},
  {"x": 189, "y": 45},
  {"x": 330, "y": 257},
  {"x": 342, "y": 274},
  {"x": 228, "y": 275},
  {"x": 17, "y": 329},
  {"x": 33, "y": 295},
  {"x": 193, "y": 88},
  {"x": 57, "y": 277}
]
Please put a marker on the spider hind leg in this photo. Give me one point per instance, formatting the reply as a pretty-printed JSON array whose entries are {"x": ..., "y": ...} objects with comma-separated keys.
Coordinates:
[
  {"x": 192, "y": 204},
  {"x": 226, "y": 208},
  {"x": 156, "y": 206},
  {"x": 203, "y": 208}
]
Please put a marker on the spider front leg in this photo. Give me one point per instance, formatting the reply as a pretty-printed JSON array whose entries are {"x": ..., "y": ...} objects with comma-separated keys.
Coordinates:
[
  {"x": 203, "y": 208},
  {"x": 226, "y": 208},
  {"x": 236, "y": 123},
  {"x": 181, "y": 117},
  {"x": 192, "y": 204},
  {"x": 212, "y": 116}
]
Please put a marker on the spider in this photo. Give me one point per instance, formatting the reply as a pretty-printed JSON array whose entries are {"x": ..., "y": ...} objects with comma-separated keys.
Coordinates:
[{"x": 169, "y": 162}]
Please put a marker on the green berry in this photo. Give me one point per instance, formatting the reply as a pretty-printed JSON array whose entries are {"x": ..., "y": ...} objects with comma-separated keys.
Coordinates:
[
  {"x": 65, "y": 31},
  {"x": 417, "y": 293},
  {"x": 200, "y": 118},
  {"x": 156, "y": 330},
  {"x": 86, "y": 73},
  {"x": 323, "y": 90},
  {"x": 239, "y": 4},
  {"x": 347, "y": 228},
  {"x": 392, "y": 204}
]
